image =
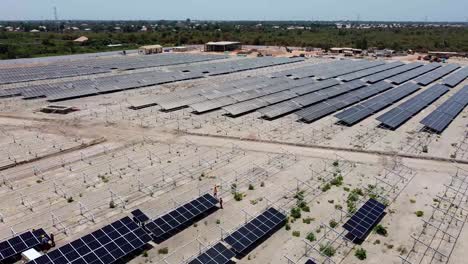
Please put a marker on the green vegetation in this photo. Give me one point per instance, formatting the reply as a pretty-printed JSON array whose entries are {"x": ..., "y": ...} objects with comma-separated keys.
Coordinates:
[
  {"x": 311, "y": 237},
  {"x": 327, "y": 250},
  {"x": 333, "y": 223},
  {"x": 238, "y": 196},
  {"x": 296, "y": 233},
  {"x": 360, "y": 254},
  {"x": 381, "y": 230},
  {"x": 353, "y": 197},
  {"x": 59, "y": 41},
  {"x": 163, "y": 251},
  {"x": 419, "y": 213},
  {"x": 296, "y": 212}
]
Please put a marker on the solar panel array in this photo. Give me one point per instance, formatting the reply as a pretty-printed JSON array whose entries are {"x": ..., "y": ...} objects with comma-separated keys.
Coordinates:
[
  {"x": 276, "y": 110},
  {"x": 218, "y": 254},
  {"x": 309, "y": 261},
  {"x": 94, "y": 65},
  {"x": 436, "y": 74},
  {"x": 363, "y": 73},
  {"x": 392, "y": 72},
  {"x": 406, "y": 76},
  {"x": 400, "y": 114},
  {"x": 16, "y": 245},
  {"x": 169, "y": 224},
  {"x": 440, "y": 118},
  {"x": 106, "y": 245},
  {"x": 361, "y": 111},
  {"x": 456, "y": 78},
  {"x": 255, "y": 230},
  {"x": 75, "y": 89},
  {"x": 139, "y": 216},
  {"x": 362, "y": 222},
  {"x": 330, "y": 106}
]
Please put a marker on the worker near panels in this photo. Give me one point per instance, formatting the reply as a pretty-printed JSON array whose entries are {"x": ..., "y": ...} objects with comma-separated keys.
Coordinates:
[
  {"x": 221, "y": 203},
  {"x": 215, "y": 191}
]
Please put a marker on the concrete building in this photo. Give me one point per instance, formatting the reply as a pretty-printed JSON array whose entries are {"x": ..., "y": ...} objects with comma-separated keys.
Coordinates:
[{"x": 222, "y": 46}]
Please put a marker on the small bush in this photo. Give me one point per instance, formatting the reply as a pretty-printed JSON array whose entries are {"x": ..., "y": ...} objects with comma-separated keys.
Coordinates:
[
  {"x": 412, "y": 201},
  {"x": 336, "y": 163},
  {"x": 70, "y": 199},
  {"x": 333, "y": 223},
  {"x": 287, "y": 227},
  {"x": 218, "y": 221},
  {"x": 361, "y": 254},
  {"x": 296, "y": 212},
  {"x": 326, "y": 187},
  {"x": 311, "y": 237},
  {"x": 419, "y": 213},
  {"x": 307, "y": 220},
  {"x": 163, "y": 251},
  {"x": 381, "y": 230},
  {"x": 327, "y": 250},
  {"x": 238, "y": 196},
  {"x": 111, "y": 204},
  {"x": 251, "y": 187},
  {"x": 296, "y": 233}
]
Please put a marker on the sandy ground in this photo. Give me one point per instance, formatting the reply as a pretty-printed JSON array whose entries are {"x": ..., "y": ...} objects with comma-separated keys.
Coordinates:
[{"x": 155, "y": 160}]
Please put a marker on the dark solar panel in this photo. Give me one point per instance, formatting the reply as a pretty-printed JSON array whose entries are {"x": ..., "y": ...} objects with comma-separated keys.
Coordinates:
[
  {"x": 169, "y": 224},
  {"x": 392, "y": 72},
  {"x": 106, "y": 245},
  {"x": 309, "y": 261},
  {"x": 361, "y": 111},
  {"x": 251, "y": 233},
  {"x": 13, "y": 247},
  {"x": 399, "y": 115},
  {"x": 139, "y": 216},
  {"x": 436, "y": 74},
  {"x": 362, "y": 222},
  {"x": 330, "y": 106},
  {"x": 456, "y": 78},
  {"x": 218, "y": 254},
  {"x": 441, "y": 117},
  {"x": 406, "y": 76}
]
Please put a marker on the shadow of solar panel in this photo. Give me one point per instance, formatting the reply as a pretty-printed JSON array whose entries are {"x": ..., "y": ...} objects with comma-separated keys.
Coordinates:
[
  {"x": 255, "y": 231},
  {"x": 443, "y": 115},
  {"x": 362, "y": 222},
  {"x": 178, "y": 219},
  {"x": 13, "y": 247},
  {"x": 218, "y": 254},
  {"x": 106, "y": 245}
]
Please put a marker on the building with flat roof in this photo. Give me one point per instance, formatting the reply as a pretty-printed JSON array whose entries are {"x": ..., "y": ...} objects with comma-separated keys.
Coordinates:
[
  {"x": 150, "y": 49},
  {"x": 222, "y": 46}
]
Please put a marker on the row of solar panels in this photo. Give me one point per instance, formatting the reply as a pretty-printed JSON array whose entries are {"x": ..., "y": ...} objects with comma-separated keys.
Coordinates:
[
  {"x": 244, "y": 239},
  {"x": 80, "y": 88},
  {"x": 97, "y": 65}
]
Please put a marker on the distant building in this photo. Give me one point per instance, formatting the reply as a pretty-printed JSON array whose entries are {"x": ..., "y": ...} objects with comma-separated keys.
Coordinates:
[
  {"x": 150, "y": 49},
  {"x": 345, "y": 51},
  {"x": 222, "y": 46},
  {"x": 81, "y": 40}
]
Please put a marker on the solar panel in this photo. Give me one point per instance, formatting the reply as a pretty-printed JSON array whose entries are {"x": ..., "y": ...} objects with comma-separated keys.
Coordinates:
[
  {"x": 406, "y": 76},
  {"x": 139, "y": 216},
  {"x": 327, "y": 107},
  {"x": 399, "y": 115},
  {"x": 443, "y": 115},
  {"x": 361, "y": 111},
  {"x": 106, "y": 245},
  {"x": 436, "y": 74},
  {"x": 456, "y": 78},
  {"x": 309, "y": 261},
  {"x": 169, "y": 224},
  {"x": 255, "y": 230},
  {"x": 13, "y": 247},
  {"x": 367, "y": 72},
  {"x": 362, "y": 222},
  {"x": 218, "y": 254},
  {"x": 392, "y": 72}
]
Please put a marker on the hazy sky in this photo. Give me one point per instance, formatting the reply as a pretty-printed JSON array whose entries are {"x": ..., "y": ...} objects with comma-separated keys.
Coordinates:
[{"x": 394, "y": 10}]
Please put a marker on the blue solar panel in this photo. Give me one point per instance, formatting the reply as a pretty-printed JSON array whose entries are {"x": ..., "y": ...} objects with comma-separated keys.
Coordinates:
[
  {"x": 362, "y": 222},
  {"x": 106, "y": 245},
  {"x": 399, "y": 115},
  {"x": 15, "y": 246},
  {"x": 139, "y": 216},
  {"x": 251, "y": 233},
  {"x": 218, "y": 254},
  {"x": 309, "y": 261},
  {"x": 440, "y": 118},
  {"x": 181, "y": 217}
]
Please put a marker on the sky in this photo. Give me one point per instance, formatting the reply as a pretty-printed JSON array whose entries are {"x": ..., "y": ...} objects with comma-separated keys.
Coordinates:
[{"x": 364, "y": 10}]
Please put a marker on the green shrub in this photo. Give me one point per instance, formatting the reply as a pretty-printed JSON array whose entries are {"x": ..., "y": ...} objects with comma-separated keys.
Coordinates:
[
  {"x": 296, "y": 212},
  {"x": 238, "y": 196},
  {"x": 361, "y": 254},
  {"x": 327, "y": 250},
  {"x": 163, "y": 251},
  {"x": 296, "y": 233},
  {"x": 419, "y": 213},
  {"x": 381, "y": 230},
  {"x": 311, "y": 237},
  {"x": 333, "y": 223}
]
